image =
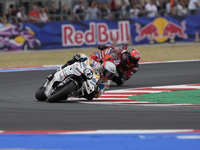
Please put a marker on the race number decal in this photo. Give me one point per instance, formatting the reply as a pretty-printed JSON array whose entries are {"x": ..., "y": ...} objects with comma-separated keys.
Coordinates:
[{"x": 89, "y": 73}]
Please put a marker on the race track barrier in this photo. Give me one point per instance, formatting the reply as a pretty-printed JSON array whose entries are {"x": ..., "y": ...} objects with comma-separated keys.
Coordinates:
[{"x": 66, "y": 34}]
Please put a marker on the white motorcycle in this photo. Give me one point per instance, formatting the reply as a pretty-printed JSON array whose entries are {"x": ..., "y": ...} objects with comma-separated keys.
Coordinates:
[{"x": 76, "y": 80}]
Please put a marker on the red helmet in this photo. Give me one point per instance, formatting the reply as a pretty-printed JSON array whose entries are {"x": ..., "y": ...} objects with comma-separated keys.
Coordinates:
[
  {"x": 108, "y": 70},
  {"x": 133, "y": 56}
]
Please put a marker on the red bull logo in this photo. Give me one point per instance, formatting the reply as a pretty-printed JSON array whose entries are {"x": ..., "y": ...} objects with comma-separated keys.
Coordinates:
[
  {"x": 98, "y": 33},
  {"x": 160, "y": 30}
]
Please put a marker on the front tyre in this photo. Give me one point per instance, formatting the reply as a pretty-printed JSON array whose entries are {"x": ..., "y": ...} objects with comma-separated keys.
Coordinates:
[
  {"x": 40, "y": 95},
  {"x": 63, "y": 93}
]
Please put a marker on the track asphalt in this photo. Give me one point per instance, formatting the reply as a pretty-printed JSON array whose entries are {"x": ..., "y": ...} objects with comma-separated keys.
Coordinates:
[
  {"x": 19, "y": 112},
  {"x": 19, "y": 109}
]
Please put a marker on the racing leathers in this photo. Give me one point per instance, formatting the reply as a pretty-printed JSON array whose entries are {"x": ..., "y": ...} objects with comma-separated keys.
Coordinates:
[
  {"x": 101, "y": 84},
  {"x": 119, "y": 57}
]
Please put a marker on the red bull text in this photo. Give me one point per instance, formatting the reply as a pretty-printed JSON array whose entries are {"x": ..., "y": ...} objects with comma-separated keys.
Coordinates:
[{"x": 98, "y": 33}]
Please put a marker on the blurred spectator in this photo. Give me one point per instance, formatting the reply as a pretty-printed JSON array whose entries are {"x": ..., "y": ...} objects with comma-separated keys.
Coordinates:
[
  {"x": 115, "y": 9},
  {"x": 127, "y": 2},
  {"x": 2, "y": 17},
  {"x": 173, "y": 7},
  {"x": 34, "y": 15},
  {"x": 14, "y": 10},
  {"x": 181, "y": 9},
  {"x": 43, "y": 15},
  {"x": 134, "y": 11},
  {"x": 80, "y": 4},
  {"x": 64, "y": 14},
  {"x": 93, "y": 12},
  {"x": 55, "y": 13},
  {"x": 117, "y": 12},
  {"x": 70, "y": 15},
  {"x": 112, "y": 5},
  {"x": 193, "y": 6},
  {"x": 124, "y": 5},
  {"x": 80, "y": 11},
  {"x": 87, "y": 12},
  {"x": 21, "y": 16},
  {"x": 46, "y": 9},
  {"x": 151, "y": 9},
  {"x": 104, "y": 11},
  {"x": 158, "y": 4},
  {"x": 10, "y": 16},
  {"x": 161, "y": 7},
  {"x": 168, "y": 8},
  {"x": 140, "y": 6}
]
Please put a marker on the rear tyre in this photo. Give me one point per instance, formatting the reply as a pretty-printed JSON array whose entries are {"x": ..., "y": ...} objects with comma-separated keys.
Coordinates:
[
  {"x": 39, "y": 94},
  {"x": 63, "y": 93}
]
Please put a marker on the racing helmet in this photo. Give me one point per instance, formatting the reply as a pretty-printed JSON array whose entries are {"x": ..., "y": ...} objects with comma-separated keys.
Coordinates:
[
  {"x": 133, "y": 56},
  {"x": 108, "y": 70}
]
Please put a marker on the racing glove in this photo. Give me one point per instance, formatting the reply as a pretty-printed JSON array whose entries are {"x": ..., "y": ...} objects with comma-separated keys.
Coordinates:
[
  {"x": 90, "y": 96},
  {"x": 118, "y": 80},
  {"x": 77, "y": 57},
  {"x": 50, "y": 77}
]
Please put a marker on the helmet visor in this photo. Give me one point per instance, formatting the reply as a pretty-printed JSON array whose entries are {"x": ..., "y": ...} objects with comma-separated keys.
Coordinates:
[
  {"x": 132, "y": 60},
  {"x": 106, "y": 74}
]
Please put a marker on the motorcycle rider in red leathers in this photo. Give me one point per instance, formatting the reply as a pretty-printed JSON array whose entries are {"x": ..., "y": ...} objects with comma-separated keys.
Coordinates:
[{"x": 125, "y": 60}]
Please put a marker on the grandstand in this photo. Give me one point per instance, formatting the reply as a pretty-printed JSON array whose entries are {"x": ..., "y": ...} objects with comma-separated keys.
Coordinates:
[{"x": 105, "y": 9}]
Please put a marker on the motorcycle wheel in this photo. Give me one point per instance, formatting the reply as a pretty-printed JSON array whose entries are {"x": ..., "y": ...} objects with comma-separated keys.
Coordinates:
[
  {"x": 63, "y": 93},
  {"x": 39, "y": 94}
]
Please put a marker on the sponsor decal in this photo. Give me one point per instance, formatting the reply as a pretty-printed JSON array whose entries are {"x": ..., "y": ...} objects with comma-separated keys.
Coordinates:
[
  {"x": 83, "y": 64},
  {"x": 78, "y": 70},
  {"x": 94, "y": 80},
  {"x": 160, "y": 30},
  {"x": 65, "y": 73},
  {"x": 17, "y": 37},
  {"x": 98, "y": 33}
]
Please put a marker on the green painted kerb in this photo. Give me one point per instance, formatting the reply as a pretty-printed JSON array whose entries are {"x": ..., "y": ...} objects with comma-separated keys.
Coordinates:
[{"x": 179, "y": 97}]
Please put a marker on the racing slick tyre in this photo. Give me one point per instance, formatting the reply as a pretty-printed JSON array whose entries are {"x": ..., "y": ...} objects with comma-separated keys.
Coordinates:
[
  {"x": 62, "y": 94},
  {"x": 39, "y": 94}
]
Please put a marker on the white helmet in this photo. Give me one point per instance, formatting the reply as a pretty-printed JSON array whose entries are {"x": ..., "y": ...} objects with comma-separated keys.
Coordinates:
[{"x": 108, "y": 70}]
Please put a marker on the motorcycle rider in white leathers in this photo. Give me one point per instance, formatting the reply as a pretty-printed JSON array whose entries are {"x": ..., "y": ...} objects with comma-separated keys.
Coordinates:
[{"x": 104, "y": 71}]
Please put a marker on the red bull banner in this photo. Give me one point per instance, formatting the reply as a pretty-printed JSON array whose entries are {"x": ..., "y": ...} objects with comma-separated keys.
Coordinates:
[
  {"x": 165, "y": 29},
  {"x": 82, "y": 34},
  {"x": 68, "y": 34},
  {"x": 98, "y": 33}
]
